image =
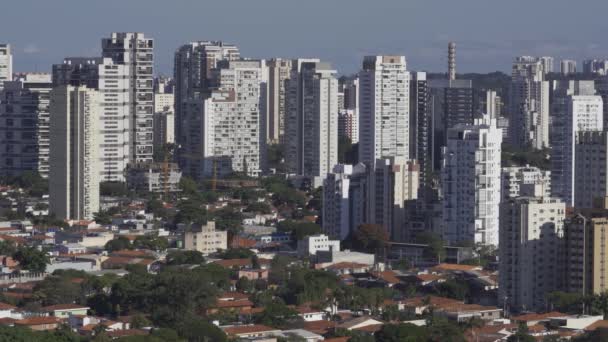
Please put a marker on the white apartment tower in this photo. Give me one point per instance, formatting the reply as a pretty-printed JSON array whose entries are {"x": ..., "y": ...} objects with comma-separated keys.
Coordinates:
[
  {"x": 471, "y": 182},
  {"x": 568, "y": 67},
  {"x": 384, "y": 108},
  {"x": 529, "y": 122},
  {"x": 590, "y": 167},
  {"x": 579, "y": 113},
  {"x": 136, "y": 53},
  {"x": 524, "y": 181},
  {"x": 74, "y": 163},
  {"x": 548, "y": 63},
  {"x": 194, "y": 63},
  {"x": 312, "y": 120},
  {"x": 112, "y": 82},
  {"x": 24, "y": 125},
  {"x": 225, "y": 130},
  {"x": 279, "y": 71},
  {"x": 344, "y": 200},
  {"x": 6, "y": 64},
  {"x": 531, "y": 251}
]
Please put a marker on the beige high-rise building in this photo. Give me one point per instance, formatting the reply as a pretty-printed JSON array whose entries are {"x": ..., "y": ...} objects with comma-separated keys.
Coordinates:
[
  {"x": 586, "y": 241},
  {"x": 279, "y": 71},
  {"x": 6, "y": 64},
  {"x": 74, "y": 144},
  {"x": 531, "y": 251}
]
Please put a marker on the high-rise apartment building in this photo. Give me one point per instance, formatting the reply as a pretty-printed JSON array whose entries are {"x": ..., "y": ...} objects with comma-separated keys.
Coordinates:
[
  {"x": 164, "y": 117},
  {"x": 24, "y": 125},
  {"x": 470, "y": 182},
  {"x": 529, "y": 121},
  {"x": 530, "y": 252},
  {"x": 194, "y": 63},
  {"x": 135, "y": 53},
  {"x": 595, "y": 66},
  {"x": 344, "y": 200},
  {"x": 348, "y": 125},
  {"x": 575, "y": 109},
  {"x": 524, "y": 181},
  {"x": 112, "y": 82},
  {"x": 74, "y": 162},
  {"x": 422, "y": 127},
  {"x": 590, "y": 167},
  {"x": 547, "y": 63},
  {"x": 279, "y": 71},
  {"x": 568, "y": 67},
  {"x": 586, "y": 251},
  {"x": 312, "y": 120},
  {"x": 384, "y": 111},
  {"x": 6, "y": 64},
  {"x": 225, "y": 130}
]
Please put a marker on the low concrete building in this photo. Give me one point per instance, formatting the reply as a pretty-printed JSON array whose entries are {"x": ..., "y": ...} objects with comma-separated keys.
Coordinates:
[
  {"x": 310, "y": 245},
  {"x": 154, "y": 177},
  {"x": 205, "y": 238}
]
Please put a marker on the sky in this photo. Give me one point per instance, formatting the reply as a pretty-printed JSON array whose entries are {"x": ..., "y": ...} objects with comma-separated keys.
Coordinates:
[{"x": 488, "y": 33}]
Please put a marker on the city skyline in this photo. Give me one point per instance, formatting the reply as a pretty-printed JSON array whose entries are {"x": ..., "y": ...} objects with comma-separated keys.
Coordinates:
[{"x": 341, "y": 36}]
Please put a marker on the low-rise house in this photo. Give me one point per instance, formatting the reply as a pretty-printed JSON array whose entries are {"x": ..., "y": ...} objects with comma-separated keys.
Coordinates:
[
  {"x": 253, "y": 274},
  {"x": 250, "y": 331},
  {"x": 357, "y": 323},
  {"x": 232, "y": 302},
  {"x": 115, "y": 262},
  {"x": 573, "y": 322},
  {"x": 39, "y": 323},
  {"x": 334, "y": 257},
  {"x": 65, "y": 310},
  {"x": 71, "y": 248},
  {"x": 7, "y": 310},
  {"x": 343, "y": 268},
  {"x": 309, "y": 314},
  {"x": 301, "y": 335},
  {"x": 531, "y": 319},
  {"x": 465, "y": 312}
]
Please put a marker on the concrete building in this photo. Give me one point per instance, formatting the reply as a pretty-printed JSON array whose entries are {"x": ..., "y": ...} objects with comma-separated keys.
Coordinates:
[
  {"x": 111, "y": 80},
  {"x": 164, "y": 128},
  {"x": 6, "y": 64},
  {"x": 393, "y": 182},
  {"x": 348, "y": 125},
  {"x": 384, "y": 110},
  {"x": 568, "y": 67},
  {"x": 524, "y": 182},
  {"x": 205, "y": 238},
  {"x": 154, "y": 177},
  {"x": 24, "y": 125},
  {"x": 530, "y": 252},
  {"x": 547, "y": 63},
  {"x": 225, "y": 131},
  {"x": 529, "y": 121},
  {"x": 344, "y": 200},
  {"x": 573, "y": 113},
  {"x": 350, "y": 89},
  {"x": 136, "y": 53},
  {"x": 422, "y": 127},
  {"x": 310, "y": 245},
  {"x": 595, "y": 66},
  {"x": 279, "y": 71},
  {"x": 193, "y": 66},
  {"x": 312, "y": 120},
  {"x": 586, "y": 250},
  {"x": 470, "y": 182},
  {"x": 590, "y": 167},
  {"x": 74, "y": 143}
]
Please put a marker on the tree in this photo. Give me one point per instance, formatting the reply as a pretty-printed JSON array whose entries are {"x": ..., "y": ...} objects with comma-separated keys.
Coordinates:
[
  {"x": 188, "y": 186},
  {"x": 32, "y": 259},
  {"x": 191, "y": 211},
  {"x": 196, "y": 329},
  {"x": 155, "y": 243},
  {"x": 139, "y": 321},
  {"x": 118, "y": 244},
  {"x": 7, "y": 247},
  {"x": 182, "y": 257},
  {"x": 276, "y": 314},
  {"x": 370, "y": 237},
  {"x": 236, "y": 253},
  {"x": 57, "y": 290},
  {"x": 298, "y": 230},
  {"x": 259, "y": 207},
  {"x": 436, "y": 246},
  {"x": 404, "y": 332},
  {"x": 244, "y": 285},
  {"x": 521, "y": 335}
]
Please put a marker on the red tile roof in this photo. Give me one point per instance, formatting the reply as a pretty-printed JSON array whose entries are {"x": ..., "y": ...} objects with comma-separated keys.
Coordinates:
[
  {"x": 64, "y": 307},
  {"x": 229, "y": 263},
  {"x": 5, "y": 306},
  {"x": 247, "y": 329},
  {"x": 38, "y": 320},
  {"x": 537, "y": 317}
]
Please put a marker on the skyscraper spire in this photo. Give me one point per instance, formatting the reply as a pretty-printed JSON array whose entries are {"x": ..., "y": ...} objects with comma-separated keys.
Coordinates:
[{"x": 452, "y": 61}]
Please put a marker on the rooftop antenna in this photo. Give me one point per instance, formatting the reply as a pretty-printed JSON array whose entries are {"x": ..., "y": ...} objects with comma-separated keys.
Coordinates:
[{"x": 452, "y": 61}]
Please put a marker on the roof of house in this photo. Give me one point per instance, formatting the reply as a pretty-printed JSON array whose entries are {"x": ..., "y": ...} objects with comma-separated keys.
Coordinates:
[
  {"x": 388, "y": 276},
  {"x": 346, "y": 265},
  {"x": 127, "y": 332},
  {"x": 602, "y": 324},
  {"x": 319, "y": 327},
  {"x": 247, "y": 329},
  {"x": 428, "y": 277},
  {"x": 5, "y": 306},
  {"x": 432, "y": 300},
  {"x": 455, "y": 267},
  {"x": 220, "y": 304},
  {"x": 233, "y": 296},
  {"x": 229, "y": 263},
  {"x": 60, "y": 307},
  {"x": 38, "y": 320},
  {"x": 356, "y": 321},
  {"x": 537, "y": 317}
]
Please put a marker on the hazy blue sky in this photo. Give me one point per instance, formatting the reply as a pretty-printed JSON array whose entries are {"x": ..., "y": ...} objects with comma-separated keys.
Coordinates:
[{"x": 488, "y": 33}]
